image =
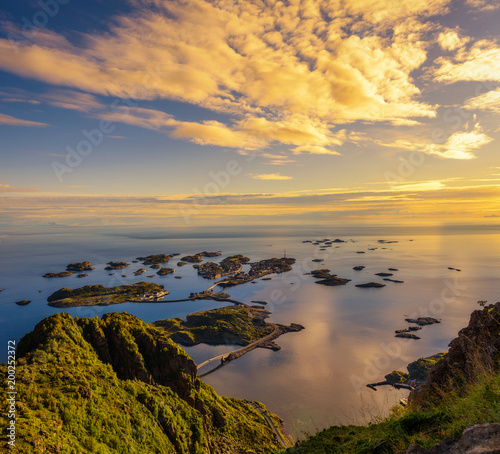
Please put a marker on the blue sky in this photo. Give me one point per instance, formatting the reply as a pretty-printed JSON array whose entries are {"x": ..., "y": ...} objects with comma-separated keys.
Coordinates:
[{"x": 356, "y": 111}]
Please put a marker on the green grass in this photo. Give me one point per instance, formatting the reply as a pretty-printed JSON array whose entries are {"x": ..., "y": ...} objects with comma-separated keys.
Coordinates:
[
  {"x": 226, "y": 325},
  {"x": 477, "y": 404},
  {"x": 92, "y": 295},
  {"x": 72, "y": 400}
]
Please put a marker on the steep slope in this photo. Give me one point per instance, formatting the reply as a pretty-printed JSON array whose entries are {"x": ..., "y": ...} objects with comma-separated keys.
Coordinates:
[{"x": 119, "y": 385}]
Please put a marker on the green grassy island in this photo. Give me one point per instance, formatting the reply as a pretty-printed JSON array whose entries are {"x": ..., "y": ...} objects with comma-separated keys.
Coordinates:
[
  {"x": 227, "y": 325},
  {"x": 93, "y": 295}
]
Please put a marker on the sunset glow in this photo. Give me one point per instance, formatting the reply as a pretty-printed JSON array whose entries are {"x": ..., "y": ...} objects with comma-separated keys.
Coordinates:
[{"x": 219, "y": 112}]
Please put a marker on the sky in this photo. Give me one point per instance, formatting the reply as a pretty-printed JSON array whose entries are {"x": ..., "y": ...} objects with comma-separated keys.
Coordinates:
[{"x": 198, "y": 112}]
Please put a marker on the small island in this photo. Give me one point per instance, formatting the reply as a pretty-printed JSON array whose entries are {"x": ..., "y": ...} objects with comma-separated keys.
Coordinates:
[
  {"x": 257, "y": 269},
  {"x": 230, "y": 265},
  {"x": 328, "y": 279},
  {"x": 98, "y": 295},
  {"x": 80, "y": 266},
  {"x": 23, "y": 302},
  {"x": 236, "y": 325},
  {"x": 370, "y": 285},
  {"x": 116, "y": 265},
  {"x": 61, "y": 274},
  {"x": 165, "y": 271},
  {"x": 155, "y": 259}
]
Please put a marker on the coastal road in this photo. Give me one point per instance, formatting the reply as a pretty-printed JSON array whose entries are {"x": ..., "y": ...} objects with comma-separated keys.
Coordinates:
[
  {"x": 247, "y": 348},
  {"x": 284, "y": 441}
]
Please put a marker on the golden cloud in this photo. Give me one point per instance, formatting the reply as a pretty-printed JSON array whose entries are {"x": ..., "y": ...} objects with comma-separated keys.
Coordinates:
[
  {"x": 13, "y": 121},
  {"x": 486, "y": 101},
  {"x": 483, "y": 5},
  {"x": 10, "y": 188},
  {"x": 271, "y": 176},
  {"x": 480, "y": 63},
  {"x": 451, "y": 41},
  {"x": 285, "y": 72},
  {"x": 459, "y": 145},
  {"x": 426, "y": 201}
]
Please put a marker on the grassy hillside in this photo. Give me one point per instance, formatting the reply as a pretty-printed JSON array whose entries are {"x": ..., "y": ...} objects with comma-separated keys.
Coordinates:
[
  {"x": 118, "y": 385},
  {"x": 478, "y": 403}
]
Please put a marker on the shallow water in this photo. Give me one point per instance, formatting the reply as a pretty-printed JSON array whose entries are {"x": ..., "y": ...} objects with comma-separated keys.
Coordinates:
[{"x": 318, "y": 377}]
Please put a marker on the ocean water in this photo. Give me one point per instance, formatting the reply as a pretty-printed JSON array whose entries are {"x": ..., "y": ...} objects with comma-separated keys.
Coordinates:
[{"x": 318, "y": 378}]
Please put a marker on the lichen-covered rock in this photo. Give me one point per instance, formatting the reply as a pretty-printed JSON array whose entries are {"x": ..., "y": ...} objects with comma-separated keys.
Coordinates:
[{"x": 476, "y": 439}]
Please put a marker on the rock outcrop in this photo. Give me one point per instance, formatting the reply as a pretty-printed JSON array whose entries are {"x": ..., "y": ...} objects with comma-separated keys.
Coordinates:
[
  {"x": 474, "y": 352},
  {"x": 476, "y": 439}
]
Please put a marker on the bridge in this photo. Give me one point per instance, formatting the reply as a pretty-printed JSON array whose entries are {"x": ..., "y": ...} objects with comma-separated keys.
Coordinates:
[{"x": 230, "y": 356}]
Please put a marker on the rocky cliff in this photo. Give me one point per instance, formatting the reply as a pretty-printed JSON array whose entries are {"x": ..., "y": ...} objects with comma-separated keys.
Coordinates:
[
  {"x": 475, "y": 352},
  {"x": 118, "y": 385}
]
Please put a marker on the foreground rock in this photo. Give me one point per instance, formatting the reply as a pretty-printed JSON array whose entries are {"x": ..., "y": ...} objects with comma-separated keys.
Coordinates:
[
  {"x": 476, "y": 439},
  {"x": 125, "y": 387}
]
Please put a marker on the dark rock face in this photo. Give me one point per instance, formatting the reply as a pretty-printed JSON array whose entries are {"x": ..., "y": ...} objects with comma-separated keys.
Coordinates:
[
  {"x": 137, "y": 353},
  {"x": 475, "y": 350},
  {"x": 476, "y": 439}
]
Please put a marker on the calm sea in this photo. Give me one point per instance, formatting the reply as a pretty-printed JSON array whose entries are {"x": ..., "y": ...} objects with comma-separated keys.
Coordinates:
[{"x": 318, "y": 377}]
